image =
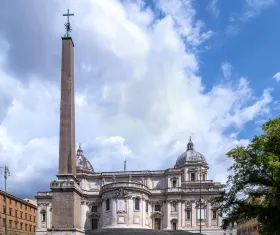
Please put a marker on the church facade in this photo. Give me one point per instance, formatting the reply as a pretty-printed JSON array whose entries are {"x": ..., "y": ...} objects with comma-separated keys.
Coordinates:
[{"x": 82, "y": 200}]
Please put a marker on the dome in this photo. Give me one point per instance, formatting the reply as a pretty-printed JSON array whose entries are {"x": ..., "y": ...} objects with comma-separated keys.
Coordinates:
[
  {"x": 82, "y": 163},
  {"x": 190, "y": 155}
]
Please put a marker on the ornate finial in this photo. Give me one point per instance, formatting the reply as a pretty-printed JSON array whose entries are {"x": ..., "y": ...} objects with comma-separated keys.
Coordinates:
[
  {"x": 80, "y": 151},
  {"x": 67, "y": 24},
  {"x": 190, "y": 144},
  {"x": 124, "y": 167}
]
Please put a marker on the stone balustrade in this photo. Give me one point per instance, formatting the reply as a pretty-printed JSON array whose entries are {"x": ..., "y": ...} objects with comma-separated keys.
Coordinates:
[{"x": 43, "y": 194}]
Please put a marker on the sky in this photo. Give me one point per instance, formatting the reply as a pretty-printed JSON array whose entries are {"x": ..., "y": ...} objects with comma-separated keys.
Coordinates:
[{"x": 148, "y": 75}]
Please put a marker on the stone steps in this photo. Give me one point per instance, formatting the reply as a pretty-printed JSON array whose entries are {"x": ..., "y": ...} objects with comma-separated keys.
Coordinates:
[{"x": 135, "y": 231}]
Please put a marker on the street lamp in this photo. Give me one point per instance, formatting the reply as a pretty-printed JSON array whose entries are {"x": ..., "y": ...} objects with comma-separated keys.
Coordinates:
[
  {"x": 199, "y": 169},
  {"x": 6, "y": 174}
]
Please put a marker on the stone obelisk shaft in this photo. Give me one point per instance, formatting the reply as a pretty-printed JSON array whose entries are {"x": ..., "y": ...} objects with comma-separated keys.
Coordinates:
[{"x": 67, "y": 157}]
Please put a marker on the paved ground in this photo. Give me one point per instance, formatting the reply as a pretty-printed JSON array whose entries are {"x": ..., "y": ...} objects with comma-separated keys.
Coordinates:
[{"x": 130, "y": 231}]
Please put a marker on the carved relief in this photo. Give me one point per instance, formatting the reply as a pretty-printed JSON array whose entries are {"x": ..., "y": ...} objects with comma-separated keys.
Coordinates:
[{"x": 121, "y": 192}]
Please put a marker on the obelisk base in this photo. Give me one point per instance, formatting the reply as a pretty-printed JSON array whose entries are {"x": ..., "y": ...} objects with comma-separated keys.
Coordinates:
[{"x": 66, "y": 205}]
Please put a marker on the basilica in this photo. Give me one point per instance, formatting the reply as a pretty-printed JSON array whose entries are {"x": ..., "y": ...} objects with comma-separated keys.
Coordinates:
[
  {"x": 81, "y": 201},
  {"x": 163, "y": 199}
]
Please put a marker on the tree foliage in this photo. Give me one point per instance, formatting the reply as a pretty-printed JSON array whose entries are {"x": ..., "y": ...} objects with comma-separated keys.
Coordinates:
[{"x": 253, "y": 186}]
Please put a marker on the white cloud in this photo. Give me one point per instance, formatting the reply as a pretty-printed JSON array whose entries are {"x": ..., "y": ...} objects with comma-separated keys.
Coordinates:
[
  {"x": 255, "y": 7},
  {"x": 251, "y": 9},
  {"x": 226, "y": 68},
  {"x": 277, "y": 76},
  {"x": 140, "y": 97},
  {"x": 212, "y": 8}
]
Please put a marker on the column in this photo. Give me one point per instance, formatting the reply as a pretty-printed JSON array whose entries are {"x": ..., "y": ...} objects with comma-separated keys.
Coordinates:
[
  {"x": 183, "y": 214},
  {"x": 83, "y": 215},
  {"x": 219, "y": 219},
  {"x": 39, "y": 218},
  {"x": 168, "y": 209},
  {"x": 48, "y": 216},
  {"x": 114, "y": 211},
  {"x": 193, "y": 214},
  {"x": 143, "y": 212},
  {"x": 179, "y": 215},
  {"x": 209, "y": 214}
]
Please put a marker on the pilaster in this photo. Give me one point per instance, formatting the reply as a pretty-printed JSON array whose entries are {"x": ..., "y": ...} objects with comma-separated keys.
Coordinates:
[
  {"x": 39, "y": 217},
  {"x": 183, "y": 214},
  {"x": 179, "y": 215},
  {"x": 193, "y": 214},
  {"x": 168, "y": 214},
  {"x": 209, "y": 214}
]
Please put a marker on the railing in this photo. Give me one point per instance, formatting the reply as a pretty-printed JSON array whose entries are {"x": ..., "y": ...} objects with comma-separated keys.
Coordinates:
[
  {"x": 197, "y": 181},
  {"x": 44, "y": 194}
]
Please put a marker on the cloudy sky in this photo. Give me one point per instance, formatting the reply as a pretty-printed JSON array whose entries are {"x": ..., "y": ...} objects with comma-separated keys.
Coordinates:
[{"x": 148, "y": 74}]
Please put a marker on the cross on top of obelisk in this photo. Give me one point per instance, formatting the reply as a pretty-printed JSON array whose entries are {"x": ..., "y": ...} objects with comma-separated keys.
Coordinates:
[{"x": 67, "y": 24}]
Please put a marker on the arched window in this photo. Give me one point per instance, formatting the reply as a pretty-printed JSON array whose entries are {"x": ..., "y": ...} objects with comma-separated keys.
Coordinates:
[
  {"x": 137, "y": 204},
  {"x": 204, "y": 177},
  {"x": 107, "y": 204}
]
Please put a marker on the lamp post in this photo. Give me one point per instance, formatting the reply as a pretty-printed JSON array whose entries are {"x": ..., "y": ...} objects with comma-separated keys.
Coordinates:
[
  {"x": 6, "y": 173},
  {"x": 200, "y": 199},
  {"x": 200, "y": 196}
]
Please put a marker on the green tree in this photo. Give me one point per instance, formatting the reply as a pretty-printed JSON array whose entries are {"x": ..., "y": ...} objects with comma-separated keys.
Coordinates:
[{"x": 253, "y": 186}]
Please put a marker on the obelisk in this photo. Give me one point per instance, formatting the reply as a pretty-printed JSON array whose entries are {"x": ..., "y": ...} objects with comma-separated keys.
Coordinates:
[{"x": 66, "y": 192}]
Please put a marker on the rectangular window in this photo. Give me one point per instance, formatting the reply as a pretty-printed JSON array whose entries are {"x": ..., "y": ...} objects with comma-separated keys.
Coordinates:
[
  {"x": 20, "y": 226},
  {"x": 10, "y": 201},
  {"x": 16, "y": 224},
  {"x": 16, "y": 203},
  {"x": 30, "y": 228},
  {"x": 25, "y": 207},
  {"x": 10, "y": 211},
  {"x": 107, "y": 204},
  {"x": 30, "y": 218},
  {"x": 4, "y": 209},
  {"x": 137, "y": 204},
  {"x": 11, "y": 223},
  {"x": 157, "y": 207},
  {"x": 192, "y": 176},
  {"x": 174, "y": 207},
  {"x": 25, "y": 216},
  {"x": 94, "y": 224},
  {"x": 16, "y": 213},
  {"x": 44, "y": 217},
  {"x": 4, "y": 222},
  {"x": 94, "y": 209},
  {"x": 188, "y": 215},
  {"x": 203, "y": 177},
  {"x": 20, "y": 205},
  {"x": 147, "y": 206},
  {"x": 25, "y": 227},
  {"x": 214, "y": 214},
  {"x": 21, "y": 215}
]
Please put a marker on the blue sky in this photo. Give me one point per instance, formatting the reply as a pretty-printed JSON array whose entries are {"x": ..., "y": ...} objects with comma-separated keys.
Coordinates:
[{"x": 147, "y": 76}]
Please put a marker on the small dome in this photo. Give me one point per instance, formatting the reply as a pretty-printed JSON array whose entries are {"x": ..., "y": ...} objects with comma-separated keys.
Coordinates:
[
  {"x": 190, "y": 155},
  {"x": 82, "y": 163}
]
